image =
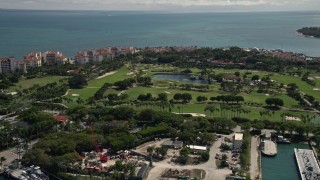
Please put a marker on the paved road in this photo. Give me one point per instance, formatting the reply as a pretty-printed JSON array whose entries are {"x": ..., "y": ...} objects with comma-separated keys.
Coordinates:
[{"x": 254, "y": 159}]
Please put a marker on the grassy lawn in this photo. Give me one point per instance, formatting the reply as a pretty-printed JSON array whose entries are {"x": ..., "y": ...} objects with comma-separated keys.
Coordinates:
[
  {"x": 165, "y": 67},
  {"x": 260, "y": 98},
  {"x": 111, "y": 91},
  {"x": 162, "y": 86},
  {"x": 94, "y": 85},
  {"x": 135, "y": 92},
  {"x": 121, "y": 74},
  {"x": 27, "y": 83},
  {"x": 253, "y": 114},
  {"x": 252, "y": 98},
  {"x": 232, "y": 71},
  {"x": 303, "y": 86},
  {"x": 84, "y": 93},
  {"x": 316, "y": 120}
]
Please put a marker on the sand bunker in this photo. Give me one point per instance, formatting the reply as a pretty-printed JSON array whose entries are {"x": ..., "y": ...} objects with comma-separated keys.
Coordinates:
[
  {"x": 292, "y": 118},
  {"x": 106, "y": 74},
  {"x": 193, "y": 114},
  {"x": 75, "y": 95}
]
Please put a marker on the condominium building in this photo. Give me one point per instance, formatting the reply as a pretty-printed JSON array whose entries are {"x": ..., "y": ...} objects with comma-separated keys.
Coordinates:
[
  {"x": 51, "y": 57},
  {"x": 85, "y": 56},
  {"x": 7, "y": 65},
  {"x": 32, "y": 60},
  {"x": 106, "y": 53},
  {"x": 20, "y": 66},
  {"x": 93, "y": 56}
]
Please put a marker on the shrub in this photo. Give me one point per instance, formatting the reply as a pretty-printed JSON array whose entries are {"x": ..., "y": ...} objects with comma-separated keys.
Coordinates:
[
  {"x": 240, "y": 120},
  {"x": 225, "y": 147},
  {"x": 205, "y": 156},
  {"x": 151, "y": 131}
]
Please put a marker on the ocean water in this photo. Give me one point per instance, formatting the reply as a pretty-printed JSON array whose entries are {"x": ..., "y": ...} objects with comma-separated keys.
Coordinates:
[
  {"x": 22, "y": 31},
  {"x": 283, "y": 166},
  {"x": 3, "y": 178}
]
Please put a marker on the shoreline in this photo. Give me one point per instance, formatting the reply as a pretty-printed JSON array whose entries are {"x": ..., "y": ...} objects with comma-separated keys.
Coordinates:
[{"x": 305, "y": 35}]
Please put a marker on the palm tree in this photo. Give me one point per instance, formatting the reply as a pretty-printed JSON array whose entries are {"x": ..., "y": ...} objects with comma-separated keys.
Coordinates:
[
  {"x": 282, "y": 115},
  {"x": 273, "y": 112},
  {"x": 261, "y": 114},
  {"x": 132, "y": 167},
  {"x": 211, "y": 110}
]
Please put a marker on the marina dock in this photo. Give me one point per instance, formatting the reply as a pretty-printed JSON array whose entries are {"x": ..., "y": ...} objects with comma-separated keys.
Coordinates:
[
  {"x": 269, "y": 148},
  {"x": 307, "y": 163}
]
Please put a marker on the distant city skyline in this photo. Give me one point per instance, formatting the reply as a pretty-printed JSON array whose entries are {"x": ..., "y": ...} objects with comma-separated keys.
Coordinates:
[{"x": 164, "y": 5}]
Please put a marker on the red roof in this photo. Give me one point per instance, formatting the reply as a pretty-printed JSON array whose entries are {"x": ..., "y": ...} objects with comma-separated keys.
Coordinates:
[
  {"x": 20, "y": 62},
  {"x": 104, "y": 158},
  {"x": 61, "y": 118},
  {"x": 4, "y": 59}
]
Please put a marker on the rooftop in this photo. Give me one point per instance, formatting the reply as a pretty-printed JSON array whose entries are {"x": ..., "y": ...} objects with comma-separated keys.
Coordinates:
[
  {"x": 167, "y": 143},
  {"x": 308, "y": 166},
  {"x": 238, "y": 136},
  {"x": 177, "y": 144},
  {"x": 61, "y": 118},
  {"x": 195, "y": 147},
  {"x": 174, "y": 144}
]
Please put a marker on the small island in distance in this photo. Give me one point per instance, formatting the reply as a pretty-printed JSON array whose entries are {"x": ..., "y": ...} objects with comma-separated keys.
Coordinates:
[{"x": 310, "y": 31}]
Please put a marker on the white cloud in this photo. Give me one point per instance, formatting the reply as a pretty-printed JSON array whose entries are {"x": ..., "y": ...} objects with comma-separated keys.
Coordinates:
[
  {"x": 211, "y": 2},
  {"x": 159, "y": 4}
]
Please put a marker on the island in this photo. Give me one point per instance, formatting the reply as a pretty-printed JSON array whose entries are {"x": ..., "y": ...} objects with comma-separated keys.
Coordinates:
[
  {"x": 310, "y": 31},
  {"x": 154, "y": 112}
]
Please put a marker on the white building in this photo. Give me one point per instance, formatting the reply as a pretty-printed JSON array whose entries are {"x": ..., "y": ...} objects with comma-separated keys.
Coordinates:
[
  {"x": 94, "y": 56},
  {"x": 85, "y": 56},
  {"x": 106, "y": 53},
  {"x": 51, "y": 57},
  {"x": 33, "y": 59},
  {"x": 20, "y": 66},
  {"x": 237, "y": 141},
  {"x": 197, "y": 149}
]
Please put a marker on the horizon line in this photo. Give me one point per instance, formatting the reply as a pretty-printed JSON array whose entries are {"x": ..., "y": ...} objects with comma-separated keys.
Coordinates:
[{"x": 162, "y": 11}]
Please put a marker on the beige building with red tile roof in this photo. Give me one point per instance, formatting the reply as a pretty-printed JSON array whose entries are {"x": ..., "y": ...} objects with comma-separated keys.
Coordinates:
[
  {"x": 50, "y": 57},
  {"x": 7, "y": 65},
  {"x": 106, "y": 53}
]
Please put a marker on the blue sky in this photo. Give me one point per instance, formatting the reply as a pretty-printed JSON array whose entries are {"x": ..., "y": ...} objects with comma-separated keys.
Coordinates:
[{"x": 165, "y": 5}]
